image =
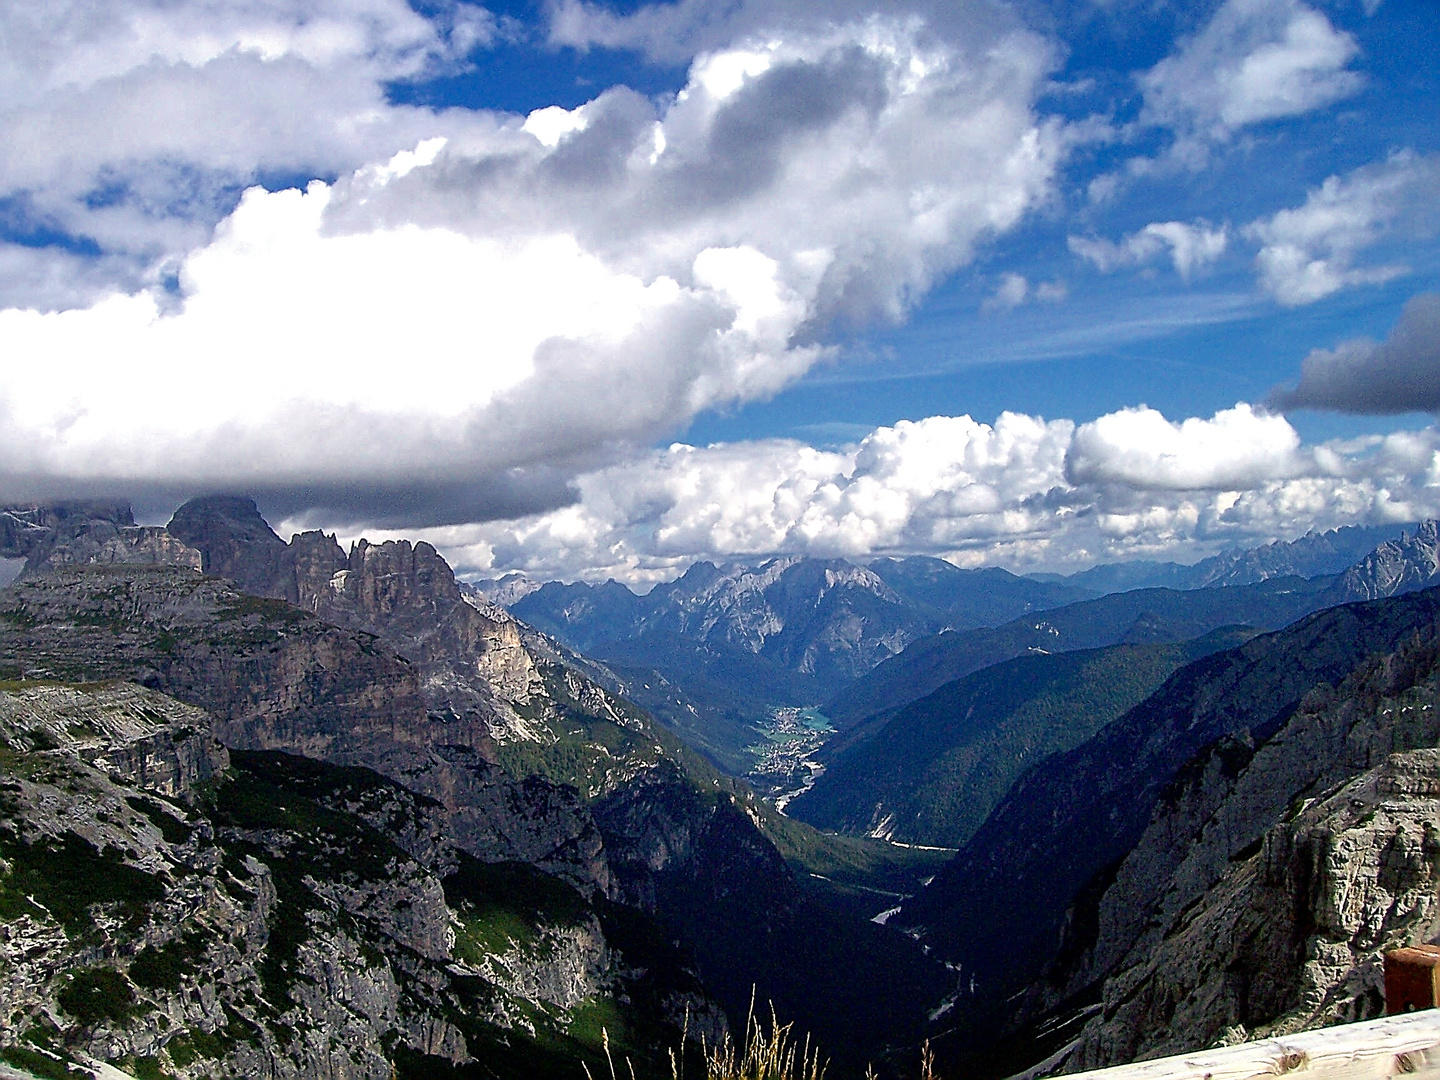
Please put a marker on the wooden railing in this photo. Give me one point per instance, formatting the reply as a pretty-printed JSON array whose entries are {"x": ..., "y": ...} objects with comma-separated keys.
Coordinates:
[
  {"x": 1370, "y": 1050},
  {"x": 1407, "y": 1042}
]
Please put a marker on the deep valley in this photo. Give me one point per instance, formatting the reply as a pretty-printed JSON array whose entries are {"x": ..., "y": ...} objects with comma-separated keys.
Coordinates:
[{"x": 278, "y": 808}]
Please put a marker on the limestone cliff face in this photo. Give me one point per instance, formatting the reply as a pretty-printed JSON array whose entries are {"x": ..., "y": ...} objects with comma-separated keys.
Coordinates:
[
  {"x": 236, "y": 543},
  {"x": 473, "y": 665},
  {"x": 1271, "y": 878},
  {"x": 280, "y": 918},
  {"x": 276, "y": 678},
  {"x": 84, "y": 533},
  {"x": 1293, "y": 936}
]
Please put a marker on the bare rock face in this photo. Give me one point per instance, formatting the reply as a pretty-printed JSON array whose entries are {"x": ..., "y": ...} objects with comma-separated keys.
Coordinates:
[
  {"x": 269, "y": 920},
  {"x": 276, "y": 678},
  {"x": 236, "y": 543},
  {"x": 474, "y": 669},
  {"x": 1409, "y": 562},
  {"x": 81, "y": 533},
  {"x": 1293, "y": 937},
  {"x": 378, "y": 658},
  {"x": 124, "y": 730},
  {"x": 1271, "y": 880}
]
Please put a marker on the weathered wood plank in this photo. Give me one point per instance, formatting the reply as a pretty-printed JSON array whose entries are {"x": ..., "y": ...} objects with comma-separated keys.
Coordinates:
[{"x": 1371, "y": 1050}]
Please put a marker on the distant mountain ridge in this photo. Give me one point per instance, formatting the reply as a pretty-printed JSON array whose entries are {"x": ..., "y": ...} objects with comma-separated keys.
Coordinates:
[
  {"x": 1407, "y": 563},
  {"x": 1312, "y": 555},
  {"x": 712, "y": 650},
  {"x": 1138, "y": 617}
]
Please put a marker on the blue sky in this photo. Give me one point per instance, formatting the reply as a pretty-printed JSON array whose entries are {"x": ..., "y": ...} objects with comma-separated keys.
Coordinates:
[{"x": 588, "y": 290}]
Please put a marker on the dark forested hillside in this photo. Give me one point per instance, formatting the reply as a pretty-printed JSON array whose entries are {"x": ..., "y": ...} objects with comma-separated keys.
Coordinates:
[
  {"x": 1145, "y": 616},
  {"x": 931, "y": 772},
  {"x": 1063, "y": 830}
]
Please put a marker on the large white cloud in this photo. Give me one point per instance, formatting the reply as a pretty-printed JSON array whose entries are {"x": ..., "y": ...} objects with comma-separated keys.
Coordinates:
[
  {"x": 1021, "y": 492},
  {"x": 522, "y": 293},
  {"x": 132, "y": 124},
  {"x": 1255, "y": 60},
  {"x": 1309, "y": 252},
  {"x": 1236, "y": 448}
]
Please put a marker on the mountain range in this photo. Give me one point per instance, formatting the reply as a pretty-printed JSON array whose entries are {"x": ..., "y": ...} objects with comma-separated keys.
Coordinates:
[
  {"x": 286, "y": 807},
  {"x": 374, "y": 660},
  {"x": 1063, "y": 879}
]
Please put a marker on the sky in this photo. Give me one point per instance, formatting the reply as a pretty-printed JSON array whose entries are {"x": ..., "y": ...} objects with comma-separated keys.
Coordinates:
[{"x": 589, "y": 290}]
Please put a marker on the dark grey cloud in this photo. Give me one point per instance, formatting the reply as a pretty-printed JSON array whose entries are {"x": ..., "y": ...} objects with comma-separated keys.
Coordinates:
[
  {"x": 1398, "y": 375},
  {"x": 417, "y": 504}
]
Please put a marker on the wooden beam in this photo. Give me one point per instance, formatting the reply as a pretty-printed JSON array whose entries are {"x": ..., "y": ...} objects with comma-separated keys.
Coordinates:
[{"x": 1406, "y": 1045}]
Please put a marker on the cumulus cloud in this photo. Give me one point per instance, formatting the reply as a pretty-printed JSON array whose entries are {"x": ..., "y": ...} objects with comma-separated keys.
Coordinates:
[
  {"x": 1236, "y": 448},
  {"x": 1190, "y": 246},
  {"x": 1021, "y": 492},
  {"x": 142, "y": 120},
  {"x": 521, "y": 295},
  {"x": 1015, "y": 289},
  {"x": 1255, "y": 60},
  {"x": 1398, "y": 375},
  {"x": 1309, "y": 252}
]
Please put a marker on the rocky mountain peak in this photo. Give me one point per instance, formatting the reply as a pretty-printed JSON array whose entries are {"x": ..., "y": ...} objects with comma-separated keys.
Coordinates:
[
  {"x": 84, "y": 533},
  {"x": 235, "y": 542},
  {"x": 395, "y": 578},
  {"x": 1409, "y": 562}
]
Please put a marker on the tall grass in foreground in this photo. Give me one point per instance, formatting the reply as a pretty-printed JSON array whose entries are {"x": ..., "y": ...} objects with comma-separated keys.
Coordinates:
[{"x": 765, "y": 1054}]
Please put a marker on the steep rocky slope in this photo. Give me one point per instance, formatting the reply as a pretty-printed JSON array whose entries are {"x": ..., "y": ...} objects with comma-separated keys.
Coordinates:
[
  {"x": 275, "y": 677},
  {"x": 1301, "y": 863},
  {"x": 1056, "y": 842},
  {"x": 175, "y": 909},
  {"x": 474, "y": 668},
  {"x": 529, "y": 758}
]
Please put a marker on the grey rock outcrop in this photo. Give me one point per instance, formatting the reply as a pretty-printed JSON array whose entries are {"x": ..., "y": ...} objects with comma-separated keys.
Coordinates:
[
  {"x": 63, "y": 534},
  {"x": 1293, "y": 936},
  {"x": 276, "y": 678},
  {"x": 1409, "y": 562},
  {"x": 129, "y": 733},
  {"x": 267, "y": 921},
  {"x": 476, "y": 664}
]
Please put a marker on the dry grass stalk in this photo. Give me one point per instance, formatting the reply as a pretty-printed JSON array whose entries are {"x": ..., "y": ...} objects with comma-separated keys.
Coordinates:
[{"x": 768, "y": 1052}]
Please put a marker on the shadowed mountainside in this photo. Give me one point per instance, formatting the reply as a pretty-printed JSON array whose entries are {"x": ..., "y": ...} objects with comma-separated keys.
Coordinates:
[{"x": 1062, "y": 832}]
